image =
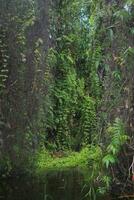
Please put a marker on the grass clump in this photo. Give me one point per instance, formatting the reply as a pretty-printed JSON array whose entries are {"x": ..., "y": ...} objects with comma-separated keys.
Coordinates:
[{"x": 45, "y": 161}]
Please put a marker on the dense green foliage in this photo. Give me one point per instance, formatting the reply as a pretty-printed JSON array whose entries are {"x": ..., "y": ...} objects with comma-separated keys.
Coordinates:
[{"x": 66, "y": 87}]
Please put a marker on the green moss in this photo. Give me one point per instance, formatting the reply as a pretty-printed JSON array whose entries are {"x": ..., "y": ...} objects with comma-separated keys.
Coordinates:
[{"x": 46, "y": 162}]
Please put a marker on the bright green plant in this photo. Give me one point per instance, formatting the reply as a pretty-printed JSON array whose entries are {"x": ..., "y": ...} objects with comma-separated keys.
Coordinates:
[{"x": 117, "y": 137}]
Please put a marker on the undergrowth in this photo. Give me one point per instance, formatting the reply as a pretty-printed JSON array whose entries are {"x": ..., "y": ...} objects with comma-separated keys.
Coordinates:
[
  {"x": 96, "y": 160},
  {"x": 46, "y": 161}
]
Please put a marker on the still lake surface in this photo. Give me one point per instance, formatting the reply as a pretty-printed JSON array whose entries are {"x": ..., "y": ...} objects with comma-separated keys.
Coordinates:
[{"x": 62, "y": 185}]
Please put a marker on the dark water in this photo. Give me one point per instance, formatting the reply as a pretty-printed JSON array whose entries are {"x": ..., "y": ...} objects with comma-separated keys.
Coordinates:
[{"x": 67, "y": 185}]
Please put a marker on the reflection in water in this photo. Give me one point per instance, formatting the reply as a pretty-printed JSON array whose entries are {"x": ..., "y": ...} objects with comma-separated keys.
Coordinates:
[{"x": 67, "y": 185}]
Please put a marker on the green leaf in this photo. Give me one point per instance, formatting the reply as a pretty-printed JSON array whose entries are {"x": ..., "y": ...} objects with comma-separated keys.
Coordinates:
[
  {"x": 108, "y": 159},
  {"x": 111, "y": 33}
]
